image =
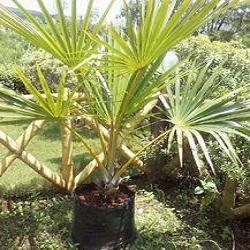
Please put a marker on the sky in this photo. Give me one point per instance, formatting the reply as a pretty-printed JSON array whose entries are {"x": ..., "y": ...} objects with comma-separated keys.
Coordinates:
[{"x": 100, "y": 5}]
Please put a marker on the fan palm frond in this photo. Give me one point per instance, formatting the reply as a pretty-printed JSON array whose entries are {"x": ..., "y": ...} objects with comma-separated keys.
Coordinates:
[
  {"x": 64, "y": 37},
  {"x": 14, "y": 107},
  {"x": 188, "y": 107},
  {"x": 163, "y": 24}
]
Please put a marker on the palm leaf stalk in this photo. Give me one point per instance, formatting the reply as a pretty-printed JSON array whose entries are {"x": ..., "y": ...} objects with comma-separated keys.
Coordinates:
[{"x": 117, "y": 71}]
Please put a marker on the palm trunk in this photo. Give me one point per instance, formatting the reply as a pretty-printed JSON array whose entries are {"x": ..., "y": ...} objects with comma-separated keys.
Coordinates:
[{"x": 228, "y": 208}]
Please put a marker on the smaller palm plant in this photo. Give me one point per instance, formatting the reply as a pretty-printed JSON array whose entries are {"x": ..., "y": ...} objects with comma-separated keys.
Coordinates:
[{"x": 194, "y": 113}]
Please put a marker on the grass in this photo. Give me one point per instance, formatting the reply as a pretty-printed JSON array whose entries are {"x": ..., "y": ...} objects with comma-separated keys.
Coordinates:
[
  {"x": 164, "y": 221},
  {"x": 46, "y": 147}
]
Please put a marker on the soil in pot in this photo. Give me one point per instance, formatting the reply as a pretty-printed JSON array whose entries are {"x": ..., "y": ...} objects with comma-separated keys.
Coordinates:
[{"x": 103, "y": 222}]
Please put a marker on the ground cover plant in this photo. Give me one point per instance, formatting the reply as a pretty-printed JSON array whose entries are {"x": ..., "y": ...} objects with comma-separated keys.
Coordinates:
[
  {"x": 172, "y": 220},
  {"x": 117, "y": 81}
]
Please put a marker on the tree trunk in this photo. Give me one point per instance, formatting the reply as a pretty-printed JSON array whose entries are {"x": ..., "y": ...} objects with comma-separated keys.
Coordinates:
[
  {"x": 156, "y": 120},
  {"x": 228, "y": 198},
  {"x": 242, "y": 212}
]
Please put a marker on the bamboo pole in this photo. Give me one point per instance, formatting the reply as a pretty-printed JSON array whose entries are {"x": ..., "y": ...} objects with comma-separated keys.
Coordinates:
[
  {"x": 82, "y": 176},
  {"x": 22, "y": 143},
  {"x": 31, "y": 161},
  {"x": 67, "y": 166},
  {"x": 124, "y": 150}
]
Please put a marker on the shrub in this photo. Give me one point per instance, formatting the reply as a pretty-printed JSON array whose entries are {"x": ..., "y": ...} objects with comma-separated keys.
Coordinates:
[
  {"x": 234, "y": 55},
  {"x": 14, "y": 50},
  {"x": 52, "y": 68},
  {"x": 10, "y": 80},
  {"x": 12, "y": 47}
]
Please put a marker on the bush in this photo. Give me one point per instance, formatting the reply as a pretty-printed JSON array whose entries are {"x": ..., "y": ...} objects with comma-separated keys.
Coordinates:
[
  {"x": 10, "y": 80},
  {"x": 12, "y": 47},
  {"x": 14, "y": 50},
  {"x": 235, "y": 56},
  {"x": 226, "y": 168},
  {"x": 52, "y": 68}
]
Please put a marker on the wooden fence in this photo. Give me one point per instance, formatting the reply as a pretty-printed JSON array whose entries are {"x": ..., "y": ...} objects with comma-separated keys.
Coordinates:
[{"x": 64, "y": 179}]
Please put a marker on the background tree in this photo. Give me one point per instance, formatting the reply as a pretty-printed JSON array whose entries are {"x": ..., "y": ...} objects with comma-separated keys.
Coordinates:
[{"x": 233, "y": 25}]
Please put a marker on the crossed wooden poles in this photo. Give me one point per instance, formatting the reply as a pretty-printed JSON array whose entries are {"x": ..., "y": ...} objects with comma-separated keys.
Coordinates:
[{"x": 66, "y": 180}]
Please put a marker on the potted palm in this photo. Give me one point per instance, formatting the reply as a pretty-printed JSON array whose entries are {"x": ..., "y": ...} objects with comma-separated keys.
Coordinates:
[{"x": 118, "y": 73}]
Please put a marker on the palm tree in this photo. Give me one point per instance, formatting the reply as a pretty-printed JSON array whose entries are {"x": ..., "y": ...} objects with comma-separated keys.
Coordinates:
[{"x": 116, "y": 69}]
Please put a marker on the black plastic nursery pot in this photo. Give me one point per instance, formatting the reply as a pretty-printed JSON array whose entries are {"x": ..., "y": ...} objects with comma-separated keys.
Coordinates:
[{"x": 103, "y": 228}]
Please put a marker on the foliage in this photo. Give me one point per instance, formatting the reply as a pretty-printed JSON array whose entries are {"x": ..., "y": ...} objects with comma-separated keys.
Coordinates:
[
  {"x": 233, "y": 25},
  {"x": 134, "y": 8},
  {"x": 39, "y": 109},
  {"x": 12, "y": 47},
  {"x": 61, "y": 40},
  {"x": 234, "y": 57},
  {"x": 9, "y": 79},
  {"x": 235, "y": 74},
  {"x": 228, "y": 170},
  {"x": 191, "y": 114},
  {"x": 52, "y": 68},
  {"x": 207, "y": 188},
  {"x": 164, "y": 221}
]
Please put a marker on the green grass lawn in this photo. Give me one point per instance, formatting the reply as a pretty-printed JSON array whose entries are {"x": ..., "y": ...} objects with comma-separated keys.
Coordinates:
[{"x": 46, "y": 147}]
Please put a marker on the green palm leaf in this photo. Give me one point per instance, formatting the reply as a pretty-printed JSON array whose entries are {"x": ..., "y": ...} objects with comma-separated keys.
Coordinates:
[
  {"x": 191, "y": 111},
  {"x": 45, "y": 106},
  {"x": 160, "y": 29},
  {"x": 68, "y": 43}
]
